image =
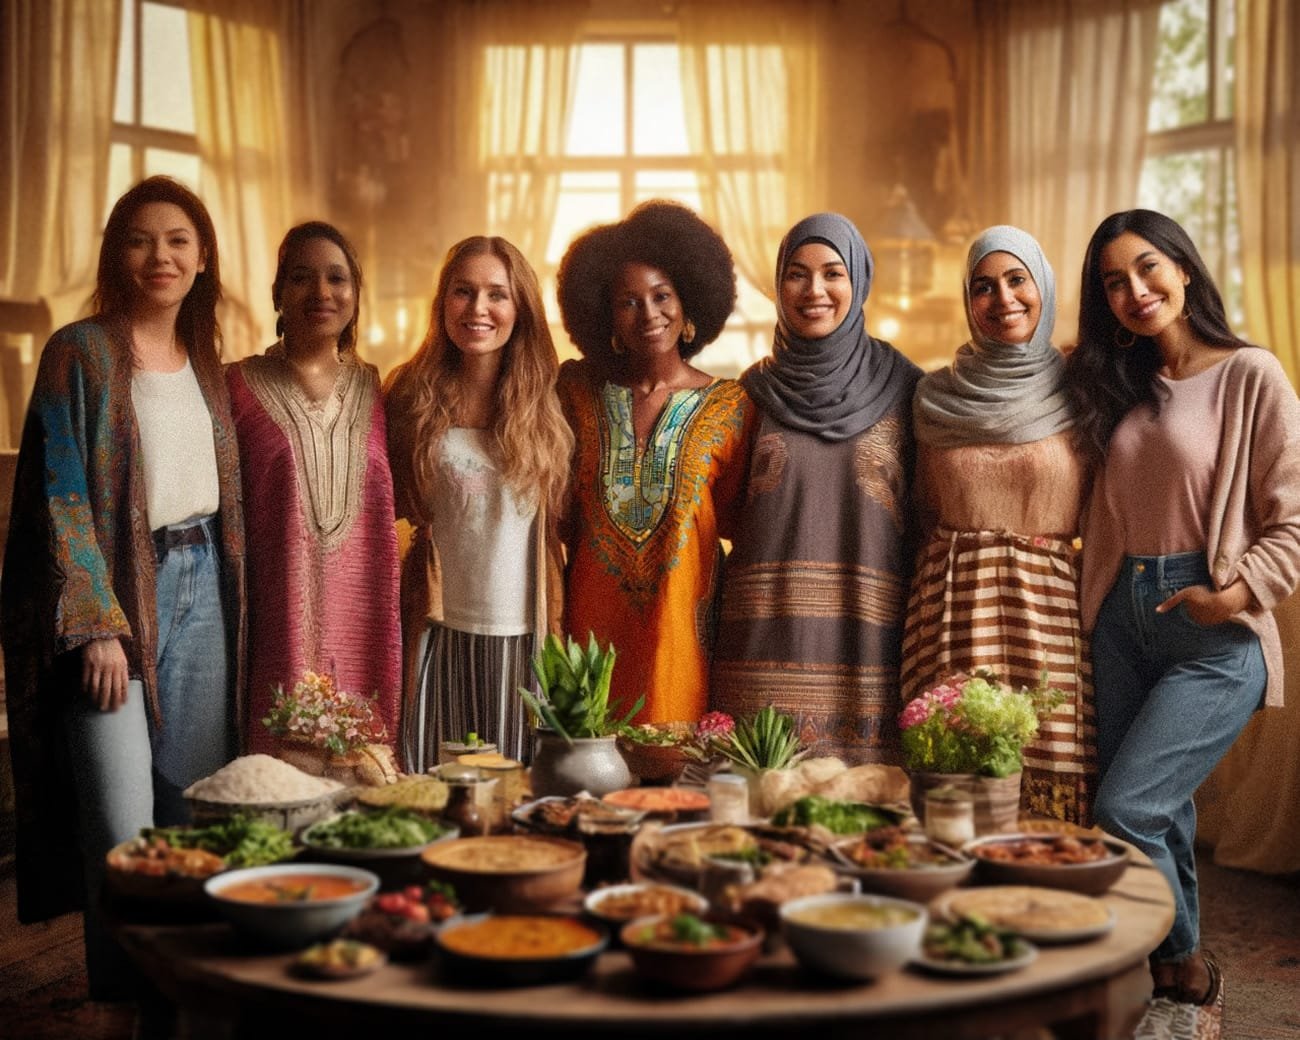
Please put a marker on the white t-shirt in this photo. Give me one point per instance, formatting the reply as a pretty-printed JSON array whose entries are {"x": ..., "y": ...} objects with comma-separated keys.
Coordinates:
[
  {"x": 177, "y": 447},
  {"x": 485, "y": 539}
]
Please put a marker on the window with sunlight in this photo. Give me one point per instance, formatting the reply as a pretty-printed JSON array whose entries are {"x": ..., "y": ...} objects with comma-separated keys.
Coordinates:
[
  {"x": 627, "y": 142},
  {"x": 153, "y": 107},
  {"x": 1188, "y": 172}
]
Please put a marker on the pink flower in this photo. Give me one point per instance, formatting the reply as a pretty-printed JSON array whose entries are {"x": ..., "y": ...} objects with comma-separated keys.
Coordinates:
[
  {"x": 714, "y": 724},
  {"x": 917, "y": 711}
]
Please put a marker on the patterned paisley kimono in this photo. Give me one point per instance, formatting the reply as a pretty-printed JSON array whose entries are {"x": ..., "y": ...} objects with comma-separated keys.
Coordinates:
[{"x": 643, "y": 536}]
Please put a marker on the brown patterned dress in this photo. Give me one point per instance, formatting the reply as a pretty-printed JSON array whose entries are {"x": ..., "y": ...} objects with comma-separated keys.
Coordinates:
[
  {"x": 997, "y": 587},
  {"x": 814, "y": 590}
]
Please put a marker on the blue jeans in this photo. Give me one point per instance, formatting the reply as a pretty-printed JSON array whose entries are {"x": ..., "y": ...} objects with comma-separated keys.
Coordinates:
[
  {"x": 198, "y": 733},
  {"x": 1171, "y": 696},
  {"x": 127, "y": 773}
]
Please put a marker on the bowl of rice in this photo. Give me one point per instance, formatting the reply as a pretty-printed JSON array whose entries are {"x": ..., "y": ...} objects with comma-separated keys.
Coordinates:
[{"x": 262, "y": 787}]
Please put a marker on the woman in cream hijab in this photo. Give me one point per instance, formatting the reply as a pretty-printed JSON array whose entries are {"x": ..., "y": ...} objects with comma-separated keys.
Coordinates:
[{"x": 1000, "y": 488}]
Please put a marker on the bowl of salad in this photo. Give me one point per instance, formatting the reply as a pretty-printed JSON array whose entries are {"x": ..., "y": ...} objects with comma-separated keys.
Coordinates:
[
  {"x": 374, "y": 834},
  {"x": 170, "y": 864},
  {"x": 696, "y": 952}
]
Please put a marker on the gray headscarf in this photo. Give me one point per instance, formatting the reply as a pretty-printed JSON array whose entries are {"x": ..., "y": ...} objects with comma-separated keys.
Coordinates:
[
  {"x": 998, "y": 393},
  {"x": 841, "y": 384}
]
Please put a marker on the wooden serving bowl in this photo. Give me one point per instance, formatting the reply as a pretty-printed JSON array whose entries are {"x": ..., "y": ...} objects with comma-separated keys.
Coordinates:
[
  {"x": 508, "y": 872},
  {"x": 1091, "y": 878},
  {"x": 696, "y": 969}
]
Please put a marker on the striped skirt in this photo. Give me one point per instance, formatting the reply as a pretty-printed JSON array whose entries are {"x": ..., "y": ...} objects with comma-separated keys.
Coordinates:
[
  {"x": 1010, "y": 603},
  {"x": 468, "y": 683}
]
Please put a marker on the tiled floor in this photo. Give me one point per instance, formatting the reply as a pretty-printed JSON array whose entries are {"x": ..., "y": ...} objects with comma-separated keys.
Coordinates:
[{"x": 1251, "y": 920}]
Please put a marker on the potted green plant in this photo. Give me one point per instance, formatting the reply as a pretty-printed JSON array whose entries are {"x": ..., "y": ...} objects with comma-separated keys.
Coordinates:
[
  {"x": 574, "y": 748},
  {"x": 970, "y": 731},
  {"x": 769, "y": 740}
]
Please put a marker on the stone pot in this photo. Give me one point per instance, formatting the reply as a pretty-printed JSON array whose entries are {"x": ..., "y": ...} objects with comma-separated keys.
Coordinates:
[
  {"x": 997, "y": 799},
  {"x": 591, "y": 764}
]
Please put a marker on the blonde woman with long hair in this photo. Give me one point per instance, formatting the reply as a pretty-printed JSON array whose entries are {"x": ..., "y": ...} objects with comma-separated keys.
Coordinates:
[{"x": 480, "y": 454}]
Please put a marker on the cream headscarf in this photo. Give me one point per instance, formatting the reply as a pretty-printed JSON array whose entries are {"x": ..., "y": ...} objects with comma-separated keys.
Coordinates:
[{"x": 998, "y": 393}]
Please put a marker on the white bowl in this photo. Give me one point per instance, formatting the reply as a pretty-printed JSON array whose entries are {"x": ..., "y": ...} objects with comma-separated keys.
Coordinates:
[
  {"x": 594, "y": 903},
  {"x": 291, "y": 924},
  {"x": 853, "y": 952}
]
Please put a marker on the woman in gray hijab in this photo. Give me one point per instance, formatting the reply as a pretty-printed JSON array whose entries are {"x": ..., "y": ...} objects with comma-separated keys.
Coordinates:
[
  {"x": 813, "y": 596},
  {"x": 1000, "y": 488}
]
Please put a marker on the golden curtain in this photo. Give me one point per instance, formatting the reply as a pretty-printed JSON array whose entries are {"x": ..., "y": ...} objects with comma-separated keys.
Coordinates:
[
  {"x": 1057, "y": 121},
  {"x": 752, "y": 81},
  {"x": 57, "y": 81},
  {"x": 236, "y": 55}
]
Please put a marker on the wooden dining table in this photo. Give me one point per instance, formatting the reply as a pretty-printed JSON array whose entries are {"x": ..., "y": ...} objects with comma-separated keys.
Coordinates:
[{"x": 1093, "y": 989}]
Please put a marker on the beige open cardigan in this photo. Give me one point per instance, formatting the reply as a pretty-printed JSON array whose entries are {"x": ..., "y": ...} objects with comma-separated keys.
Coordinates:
[{"x": 1254, "y": 531}]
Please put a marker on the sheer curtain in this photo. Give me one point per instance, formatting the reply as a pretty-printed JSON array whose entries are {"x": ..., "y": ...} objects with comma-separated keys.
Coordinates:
[
  {"x": 754, "y": 95},
  {"x": 1057, "y": 121},
  {"x": 1239, "y": 803},
  {"x": 236, "y": 54},
  {"x": 521, "y": 67},
  {"x": 56, "y": 81}
]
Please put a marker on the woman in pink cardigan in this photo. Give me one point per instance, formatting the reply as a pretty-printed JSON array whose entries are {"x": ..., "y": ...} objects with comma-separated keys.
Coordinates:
[{"x": 1192, "y": 536}]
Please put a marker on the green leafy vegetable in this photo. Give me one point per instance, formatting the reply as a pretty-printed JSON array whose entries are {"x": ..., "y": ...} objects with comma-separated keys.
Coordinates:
[
  {"x": 390, "y": 828},
  {"x": 241, "y": 841},
  {"x": 688, "y": 928},
  {"x": 836, "y": 817}
]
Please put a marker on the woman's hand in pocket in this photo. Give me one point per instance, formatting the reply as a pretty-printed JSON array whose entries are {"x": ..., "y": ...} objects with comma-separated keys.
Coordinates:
[{"x": 1207, "y": 607}]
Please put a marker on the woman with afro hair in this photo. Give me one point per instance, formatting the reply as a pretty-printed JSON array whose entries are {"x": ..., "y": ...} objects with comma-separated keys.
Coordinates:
[{"x": 661, "y": 452}]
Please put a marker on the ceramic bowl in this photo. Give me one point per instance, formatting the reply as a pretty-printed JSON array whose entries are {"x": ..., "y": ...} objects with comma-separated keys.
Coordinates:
[
  {"x": 287, "y": 924},
  {"x": 508, "y": 872},
  {"x": 918, "y": 883},
  {"x": 481, "y": 969},
  {"x": 615, "y": 905},
  {"x": 1091, "y": 878},
  {"x": 694, "y": 968},
  {"x": 848, "y": 950}
]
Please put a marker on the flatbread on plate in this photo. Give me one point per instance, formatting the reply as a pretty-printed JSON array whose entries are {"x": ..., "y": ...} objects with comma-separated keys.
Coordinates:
[{"x": 1044, "y": 914}]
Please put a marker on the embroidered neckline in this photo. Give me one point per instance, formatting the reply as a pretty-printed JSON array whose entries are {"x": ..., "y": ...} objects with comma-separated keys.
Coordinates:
[{"x": 328, "y": 438}]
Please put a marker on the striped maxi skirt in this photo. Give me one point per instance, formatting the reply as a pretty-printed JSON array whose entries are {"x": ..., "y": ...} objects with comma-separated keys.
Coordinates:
[
  {"x": 468, "y": 683},
  {"x": 1010, "y": 603}
]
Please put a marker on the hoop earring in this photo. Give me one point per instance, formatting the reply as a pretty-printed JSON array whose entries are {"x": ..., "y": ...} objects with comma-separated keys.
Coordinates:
[
  {"x": 688, "y": 331},
  {"x": 615, "y": 345},
  {"x": 1122, "y": 343}
]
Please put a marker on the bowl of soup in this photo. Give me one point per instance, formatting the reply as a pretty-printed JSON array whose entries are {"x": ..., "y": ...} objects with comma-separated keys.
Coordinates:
[
  {"x": 853, "y": 936},
  {"x": 692, "y": 952},
  {"x": 291, "y": 905},
  {"x": 517, "y": 949}
]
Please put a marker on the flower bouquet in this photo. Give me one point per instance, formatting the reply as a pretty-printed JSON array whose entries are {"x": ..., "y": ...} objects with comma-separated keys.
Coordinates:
[
  {"x": 316, "y": 712},
  {"x": 973, "y": 726}
]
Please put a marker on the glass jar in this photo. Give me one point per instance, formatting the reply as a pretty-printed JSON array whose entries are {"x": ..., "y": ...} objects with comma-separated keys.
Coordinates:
[
  {"x": 728, "y": 798},
  {"x": 949, "y": 816}
]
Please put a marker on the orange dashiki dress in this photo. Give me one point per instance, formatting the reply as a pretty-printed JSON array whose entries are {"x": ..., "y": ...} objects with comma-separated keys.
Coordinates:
[{"x": 643, "y": 533}]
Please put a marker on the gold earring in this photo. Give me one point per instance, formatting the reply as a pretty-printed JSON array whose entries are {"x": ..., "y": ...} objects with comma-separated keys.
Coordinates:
[
  {"x": 615, "y": 345},
  {"x": 688, "y": 331},
  {"x": 1124, "y": 344}
]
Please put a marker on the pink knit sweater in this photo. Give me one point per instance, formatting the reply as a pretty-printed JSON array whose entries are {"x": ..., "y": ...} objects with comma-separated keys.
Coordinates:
[{"x": 1254, "y": 518}]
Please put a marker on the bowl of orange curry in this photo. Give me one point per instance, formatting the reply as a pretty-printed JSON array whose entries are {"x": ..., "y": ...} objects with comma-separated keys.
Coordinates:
[
  {"x": 517, "y": 949},
  {"x": 291, "y": 905}
]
